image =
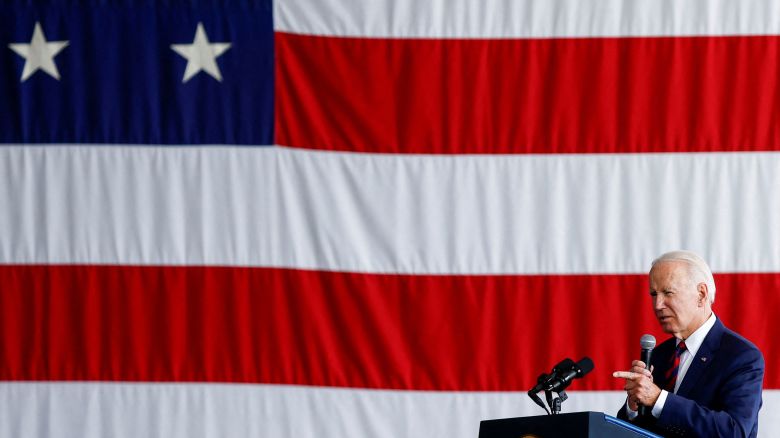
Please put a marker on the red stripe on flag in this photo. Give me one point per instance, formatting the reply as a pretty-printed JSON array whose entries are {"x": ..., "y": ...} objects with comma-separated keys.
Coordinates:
[
  {"x": 223, "y": 324},
  {"x": 589, "y": 95}
]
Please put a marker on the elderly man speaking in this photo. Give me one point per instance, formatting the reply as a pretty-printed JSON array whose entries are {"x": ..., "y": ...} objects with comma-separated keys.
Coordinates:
[{"x": 704, "y": 381}]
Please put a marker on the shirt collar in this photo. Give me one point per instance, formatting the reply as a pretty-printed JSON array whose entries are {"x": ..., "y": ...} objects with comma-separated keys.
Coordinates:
[{"x": 696, "y": 338}]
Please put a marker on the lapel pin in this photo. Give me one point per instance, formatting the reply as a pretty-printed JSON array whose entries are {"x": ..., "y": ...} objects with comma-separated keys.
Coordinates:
[{"x": 704, "y": 359}]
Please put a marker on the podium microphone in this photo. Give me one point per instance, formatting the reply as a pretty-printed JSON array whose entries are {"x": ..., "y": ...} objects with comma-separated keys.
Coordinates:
[
  {"x": 557, "y": 381},
  {"x": 574, "y": 371},
  {"x": 545, "y": 381},
  {"x": 647, "y": 342}
]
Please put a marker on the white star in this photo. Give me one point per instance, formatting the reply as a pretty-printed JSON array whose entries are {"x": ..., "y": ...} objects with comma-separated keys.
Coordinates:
[
  {"x": 39, "y": 54},
  {"x": 201, "y": 55}
]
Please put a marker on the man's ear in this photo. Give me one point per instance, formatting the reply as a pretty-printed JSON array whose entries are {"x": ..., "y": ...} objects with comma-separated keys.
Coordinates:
[{"x": 704, "y": 293}]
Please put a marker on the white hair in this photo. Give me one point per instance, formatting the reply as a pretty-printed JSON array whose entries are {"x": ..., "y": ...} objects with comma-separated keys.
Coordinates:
[{"x": 699, "y": 270}]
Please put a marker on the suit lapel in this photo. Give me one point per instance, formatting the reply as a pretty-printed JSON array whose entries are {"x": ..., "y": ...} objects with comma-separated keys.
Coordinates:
[{"x": 703, "y": 359}]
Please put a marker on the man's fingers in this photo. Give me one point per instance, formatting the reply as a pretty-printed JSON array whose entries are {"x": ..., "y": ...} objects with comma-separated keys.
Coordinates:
[
  {"x": 644, "y": 371},
  {"x": 626, "y": 375}
]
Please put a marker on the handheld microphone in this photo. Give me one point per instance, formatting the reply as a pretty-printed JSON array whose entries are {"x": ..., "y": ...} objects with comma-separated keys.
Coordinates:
[{"x": 647, "y": 342}]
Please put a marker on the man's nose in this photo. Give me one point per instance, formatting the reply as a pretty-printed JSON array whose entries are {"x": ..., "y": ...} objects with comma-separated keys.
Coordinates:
[{"x": 658, "y": 302}]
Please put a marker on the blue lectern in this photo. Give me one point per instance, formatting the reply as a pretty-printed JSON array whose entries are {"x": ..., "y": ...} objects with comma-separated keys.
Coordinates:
[{"x": 574, "y": 425}]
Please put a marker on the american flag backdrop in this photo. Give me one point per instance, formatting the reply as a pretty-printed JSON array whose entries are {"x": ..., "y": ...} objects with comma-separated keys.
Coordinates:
[{"x": 368, "y": 218}]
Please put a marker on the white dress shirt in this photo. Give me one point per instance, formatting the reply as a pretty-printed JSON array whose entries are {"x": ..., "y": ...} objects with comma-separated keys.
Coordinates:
[{"x": 692, "y": 344}]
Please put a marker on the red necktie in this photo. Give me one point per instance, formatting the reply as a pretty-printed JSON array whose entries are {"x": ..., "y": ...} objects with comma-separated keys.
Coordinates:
[{"x": 671, "y": 374}]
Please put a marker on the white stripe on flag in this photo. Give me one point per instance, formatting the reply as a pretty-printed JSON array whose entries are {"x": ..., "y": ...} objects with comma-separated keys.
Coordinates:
[
  {"x": 278, "y": 207},
  {"x": 527, "y": 19},
  {"x": 89, "y": 409}
]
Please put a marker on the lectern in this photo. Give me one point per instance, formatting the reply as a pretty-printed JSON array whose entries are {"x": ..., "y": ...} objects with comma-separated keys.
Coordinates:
[{"x": 574, "y": 425}]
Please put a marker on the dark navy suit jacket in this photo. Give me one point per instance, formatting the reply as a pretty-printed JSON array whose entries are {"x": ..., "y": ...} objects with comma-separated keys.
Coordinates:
[{"x": 720, "y": 394}]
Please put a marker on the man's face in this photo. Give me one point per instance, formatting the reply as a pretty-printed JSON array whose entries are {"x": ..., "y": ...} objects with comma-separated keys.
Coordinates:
[{"x": 679, "y": 304}]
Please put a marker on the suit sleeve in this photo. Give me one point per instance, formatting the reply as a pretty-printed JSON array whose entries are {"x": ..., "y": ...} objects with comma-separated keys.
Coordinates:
[
  {"x": 738, "y": 399},
  {"x": 622, "y": 413}
]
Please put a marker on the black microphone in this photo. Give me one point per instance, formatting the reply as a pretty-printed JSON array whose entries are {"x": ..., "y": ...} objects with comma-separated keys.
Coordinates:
[
  {"x": 545, "y": 379},
  {"x": 561, "y": 376},
  {"x": 570, "y": 372},
  {"x": 647, "y": 342}
]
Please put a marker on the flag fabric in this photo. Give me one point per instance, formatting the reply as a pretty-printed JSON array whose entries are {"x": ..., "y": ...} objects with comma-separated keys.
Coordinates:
[{"x": 368, "y": 218}]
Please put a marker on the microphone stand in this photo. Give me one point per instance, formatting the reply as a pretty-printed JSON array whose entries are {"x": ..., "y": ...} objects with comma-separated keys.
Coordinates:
[
  {"x": 535, "y": 397},
  {"x": 555, "y": 403}
]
